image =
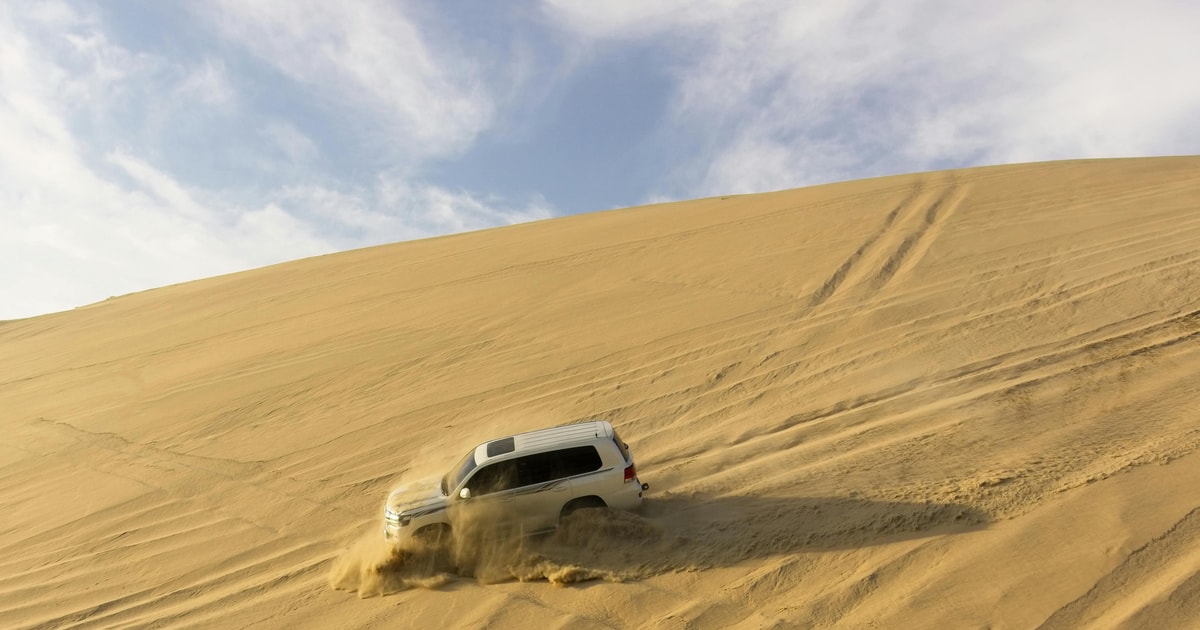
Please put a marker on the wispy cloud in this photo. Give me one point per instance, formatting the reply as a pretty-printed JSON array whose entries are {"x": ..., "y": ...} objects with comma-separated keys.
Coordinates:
[
  {"x": 91, "y": 205},
  {"x": 426, "y": 101},
  {"x": 395, "y": 208},
  {"x": 143, "y": 144},
  {"x": 207, "y": 83},
  {"x": 77, "y": 226},
  {"x": 786, "y": 94},
  {"x": 437, "y": 210},
  {"x": 296, "y": 147}
]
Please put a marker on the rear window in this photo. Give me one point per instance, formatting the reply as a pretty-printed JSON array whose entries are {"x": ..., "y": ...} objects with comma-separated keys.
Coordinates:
[{"x": 579, "y": 460}]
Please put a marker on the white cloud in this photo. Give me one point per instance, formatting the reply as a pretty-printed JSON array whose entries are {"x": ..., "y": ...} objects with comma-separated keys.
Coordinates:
[
  {"x": 207, "y": 84},
  {"x": 72, "y": 234},
  {"x": 628, "y": 19},
  {"x": 271, "y": 234},
  {"x": 294, "y": 144},
  {"x": 88, "y": 210},
  {"x": 396, "y": 209},
  {"x": 89, "y": 207},
  {"x": 437, "y": 210},
  {"x": 88, "y": 72},
  {"x": 371, "y": 56},
  {"x": 167, "y": 192},
  {"x": 786, "y": 94}
]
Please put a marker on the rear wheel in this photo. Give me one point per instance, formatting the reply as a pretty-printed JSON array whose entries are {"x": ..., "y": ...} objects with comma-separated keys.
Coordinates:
[{"x": 579, "y": 504}]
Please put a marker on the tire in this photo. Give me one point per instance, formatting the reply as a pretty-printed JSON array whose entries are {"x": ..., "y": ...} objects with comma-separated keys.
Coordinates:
[
  {"x": 434, "y": 548},
  {"x": 437, "y": 535},
  {"x": 579, "y": 504}
]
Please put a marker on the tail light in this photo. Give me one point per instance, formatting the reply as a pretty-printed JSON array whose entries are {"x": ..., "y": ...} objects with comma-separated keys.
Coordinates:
[{"x": 630, "y": 473}]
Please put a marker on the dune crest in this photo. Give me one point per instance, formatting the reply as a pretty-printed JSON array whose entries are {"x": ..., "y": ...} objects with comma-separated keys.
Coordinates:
[{"x": 954, "y": 399}]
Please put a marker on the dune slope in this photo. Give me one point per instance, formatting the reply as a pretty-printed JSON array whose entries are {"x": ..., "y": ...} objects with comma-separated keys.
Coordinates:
[{"x": 955, "y": 399}]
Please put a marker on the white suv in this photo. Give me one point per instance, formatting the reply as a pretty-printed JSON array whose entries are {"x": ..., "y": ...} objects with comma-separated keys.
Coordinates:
[{"x": 530, "y": 480}]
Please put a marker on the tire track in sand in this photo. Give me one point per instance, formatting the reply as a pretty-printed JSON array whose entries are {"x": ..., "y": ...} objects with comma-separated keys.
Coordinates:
[
  {"x": 914, "y": 246},
  {"x": 839, "y": 275},
  {"x": 897, "y": 245},
  {"x": 1154, "y": 572}
]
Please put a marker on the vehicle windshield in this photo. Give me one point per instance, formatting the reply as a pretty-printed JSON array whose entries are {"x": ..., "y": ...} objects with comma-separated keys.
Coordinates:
[{"x": 458, "y": 472}]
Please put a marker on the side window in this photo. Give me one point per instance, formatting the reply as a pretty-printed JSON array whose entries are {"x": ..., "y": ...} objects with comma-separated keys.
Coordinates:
[
  {"x": 497, "y": 477},
  {"x": 534, "y": 469},
  {"x": 546, "y": 467},
  {"x": 577, "y": 461}
]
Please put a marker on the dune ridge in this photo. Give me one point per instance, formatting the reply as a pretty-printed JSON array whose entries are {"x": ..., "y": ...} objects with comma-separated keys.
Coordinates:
[{"x": 954, "y": 399}]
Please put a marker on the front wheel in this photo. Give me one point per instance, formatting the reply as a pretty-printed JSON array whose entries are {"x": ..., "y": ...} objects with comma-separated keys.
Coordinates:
[
  {"x": 433, "y": 536},
  {"x": 434, "y": 543}
]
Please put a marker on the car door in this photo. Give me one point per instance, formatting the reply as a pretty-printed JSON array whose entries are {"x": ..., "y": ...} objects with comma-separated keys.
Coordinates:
[
  {"x": 582, "y": 467},
  {"x": 541, "y": 491},
  {"x": 491, "y": 489}
]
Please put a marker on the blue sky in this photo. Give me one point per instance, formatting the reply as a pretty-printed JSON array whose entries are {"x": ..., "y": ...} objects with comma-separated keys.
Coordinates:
[{"x": 144, "y": 143}]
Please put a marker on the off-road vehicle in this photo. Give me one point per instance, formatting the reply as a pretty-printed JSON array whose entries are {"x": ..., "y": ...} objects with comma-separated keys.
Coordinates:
[{"x": 528, "y": 481}]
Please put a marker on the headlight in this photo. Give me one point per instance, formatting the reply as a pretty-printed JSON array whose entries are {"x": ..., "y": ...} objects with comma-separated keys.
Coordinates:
[{"x": 399, "y": 518}]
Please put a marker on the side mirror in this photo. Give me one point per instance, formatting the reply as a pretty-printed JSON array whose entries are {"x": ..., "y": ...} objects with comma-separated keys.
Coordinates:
[{"x": 465, "y": 493}]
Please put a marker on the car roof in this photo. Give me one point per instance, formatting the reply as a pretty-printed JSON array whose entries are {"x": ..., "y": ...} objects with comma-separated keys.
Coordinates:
[{"x": 543, "y": 440}]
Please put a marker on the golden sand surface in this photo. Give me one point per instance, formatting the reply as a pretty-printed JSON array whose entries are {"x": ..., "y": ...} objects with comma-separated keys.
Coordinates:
[{"x": 967, "y": 398}]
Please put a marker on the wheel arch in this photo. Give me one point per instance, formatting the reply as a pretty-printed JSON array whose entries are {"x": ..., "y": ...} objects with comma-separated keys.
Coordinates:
[{"x": 579, "y": 503}]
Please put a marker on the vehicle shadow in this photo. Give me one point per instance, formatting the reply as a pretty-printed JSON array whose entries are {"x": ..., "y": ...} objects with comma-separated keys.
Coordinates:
[{"x": 675, "y": 532}]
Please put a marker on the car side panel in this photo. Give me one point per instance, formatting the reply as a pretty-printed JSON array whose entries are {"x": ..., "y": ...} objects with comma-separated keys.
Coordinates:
[
  {"x": 538, "y": 505},
  {"x": 608, "y": 483}
]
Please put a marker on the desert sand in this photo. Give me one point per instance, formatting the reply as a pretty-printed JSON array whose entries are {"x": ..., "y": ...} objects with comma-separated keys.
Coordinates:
[{"x": 963, "y": 399}]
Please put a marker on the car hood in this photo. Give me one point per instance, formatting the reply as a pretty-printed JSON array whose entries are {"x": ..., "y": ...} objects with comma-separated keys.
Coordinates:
[{"x": 420, "y": 496}]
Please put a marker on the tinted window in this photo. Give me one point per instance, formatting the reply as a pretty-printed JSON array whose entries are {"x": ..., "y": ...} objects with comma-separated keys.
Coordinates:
[
  {"x": 495, "y": 478},
  {"x": 577, "y": 461},
  {"x": 545, "y": 467},
  {"x": 537, "y": 468},
  {"x": 500, "y": 447}
]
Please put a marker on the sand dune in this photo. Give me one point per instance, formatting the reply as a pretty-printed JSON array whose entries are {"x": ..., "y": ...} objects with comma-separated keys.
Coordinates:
[{"x": 956, "y": 399}]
